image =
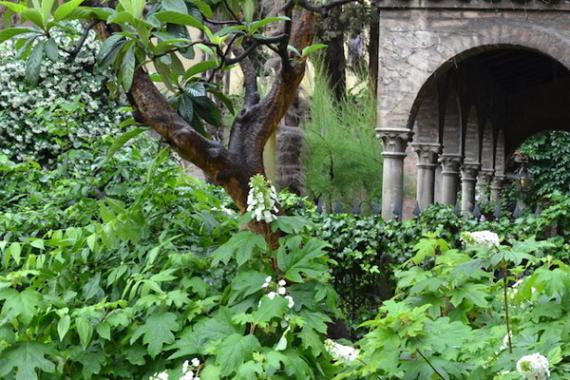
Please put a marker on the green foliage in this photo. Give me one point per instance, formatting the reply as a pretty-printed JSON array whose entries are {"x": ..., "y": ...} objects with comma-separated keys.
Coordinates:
[
  {"x": 447, "y": 319},
  {"x": 124, "y": 273},
  {"x": 71, "y": 108},
  {"x": 341, "y": 154},
  {"x": 549, "y": 160}
]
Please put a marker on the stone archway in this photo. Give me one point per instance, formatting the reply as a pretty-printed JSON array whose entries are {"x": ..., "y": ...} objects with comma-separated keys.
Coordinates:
[{"x": 431, "y": 52}]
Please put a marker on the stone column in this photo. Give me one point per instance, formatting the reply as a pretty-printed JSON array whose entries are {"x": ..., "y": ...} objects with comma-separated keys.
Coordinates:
[
  {"x": 449, "y": 177},
  {"x": 483, "y": 183},
  {"x": 427, "y": 163},
  {"x": 395, "y": 142},
  {"x": 496, "y": 186},
  {"x": 469, "y": 172}
]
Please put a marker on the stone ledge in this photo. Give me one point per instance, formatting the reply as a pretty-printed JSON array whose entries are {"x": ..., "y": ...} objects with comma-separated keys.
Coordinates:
[{"x": 530, "y": 5}]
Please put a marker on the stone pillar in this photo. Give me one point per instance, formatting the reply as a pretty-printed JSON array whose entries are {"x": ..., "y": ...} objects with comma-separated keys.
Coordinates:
[
  {"x": 395, "y": 142},
  {"x": 427, "y": 163},
  {"x": 496, "y": 186},
  {"x": 483, "y": 183},
  {"x": 468, "y": 179},
  {"x": 449, "y": 177}
]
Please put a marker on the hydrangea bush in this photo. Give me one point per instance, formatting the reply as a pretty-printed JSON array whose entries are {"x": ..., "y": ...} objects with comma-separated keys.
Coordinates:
[{"x": 69, "y": 107}]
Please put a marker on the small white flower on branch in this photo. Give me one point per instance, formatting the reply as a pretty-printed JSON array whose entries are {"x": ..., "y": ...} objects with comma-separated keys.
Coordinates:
[{"x": 262, "y": 199}]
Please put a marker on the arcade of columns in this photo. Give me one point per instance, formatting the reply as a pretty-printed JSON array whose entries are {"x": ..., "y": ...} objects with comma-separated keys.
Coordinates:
[{"x": 465, "y": 83}]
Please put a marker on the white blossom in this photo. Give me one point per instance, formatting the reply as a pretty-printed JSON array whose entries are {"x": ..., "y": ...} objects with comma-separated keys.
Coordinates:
[
  {"x": 340, "y": 352},
  {"x": 486, "y": 239},
  {"x": 195, "y": 362},
  {"x": 262, "y": 199},
  {"x": 159, "y": 376},
  {"x": 291, "y": 302},
  {"x": 533, "y": 367},
  {"x": 282, "y": 291},
  {"x": 282, "y": 283},
  {"x": 271, "y": 295}
]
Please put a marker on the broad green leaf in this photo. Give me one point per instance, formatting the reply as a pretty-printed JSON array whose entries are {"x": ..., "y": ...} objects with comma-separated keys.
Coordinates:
[
  {"x": 65, "y": 9},
  {"x": 241, "y": 247},
  {"x": 8, "y": 33},
  {"x": 127, "y": 70},
  {"x": 200, "y": 68},
  {"x": 34, "y": 63},
  {"x": 266, "y": 21},
  {"x": 14, "y": 7},
  {"x": 52, "y": 51},
  {"x": 312, "y": 48},
  {"x": 178, "y": 6},
  {"x": 178, "y": 18},
  {"x": 203, "y": 7},
  {"x": 234, "y": 351},
  {"x": 120, "y": 141},
  {"x": 269, "y": 309},
  {"x": 157, "y": 331},
  {"x": 26, "y": 358},
  {"x": 34, "y": 16},
  {"x": 20, "y": 304}
]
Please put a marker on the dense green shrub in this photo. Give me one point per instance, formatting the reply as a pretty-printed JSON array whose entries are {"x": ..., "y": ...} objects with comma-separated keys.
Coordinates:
[
  {"x": 449, "y": 318},
  {"x": 134, "y": 269},
  {"x": 69, "y": 108},
  {"x": 549, "y": 162}
]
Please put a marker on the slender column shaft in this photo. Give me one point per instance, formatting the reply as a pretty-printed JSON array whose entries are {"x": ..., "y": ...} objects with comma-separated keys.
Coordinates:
[
  {"x": 468, "y": 181},
  {"x": 449, "y": 178},
  {"x": 483, "y": 184},
  {"x": 496, "y": 186},
  {"x": 395, "y": 142},
  {"x": 427, "y": 158}
]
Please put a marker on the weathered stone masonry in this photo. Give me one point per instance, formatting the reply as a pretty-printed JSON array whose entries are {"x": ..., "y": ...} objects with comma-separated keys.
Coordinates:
[{"x": 470, "y": 81}]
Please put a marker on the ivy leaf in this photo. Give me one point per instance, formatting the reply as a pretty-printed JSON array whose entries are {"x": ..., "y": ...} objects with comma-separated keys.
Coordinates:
[
  {"x": 234, "y": 351},
  {"x": 63, "y": 326},
  {"x": 26, "y": 357},
  {"x": 241, "y": 247},
  {"x": 157, "y": 331},
  {"x": 84, "y": 330},
  {"x": 21, "y": 304}
]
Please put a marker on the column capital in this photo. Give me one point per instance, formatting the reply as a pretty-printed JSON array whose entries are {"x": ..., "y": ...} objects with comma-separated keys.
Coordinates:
[
  {"x": 427, "y": 154},
  {"x": 469, "y": 171},
  {"x": 450, "y": 163},
  {"x": 498, "y": 182},
  {"x": 395, "y": 141},
  {"x": 485, "y": 175}
]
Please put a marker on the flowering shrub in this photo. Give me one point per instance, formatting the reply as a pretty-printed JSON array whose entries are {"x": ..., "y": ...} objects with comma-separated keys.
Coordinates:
[
  {"x": 459, "y": 314},
  {"x": 69, "y": 108}
]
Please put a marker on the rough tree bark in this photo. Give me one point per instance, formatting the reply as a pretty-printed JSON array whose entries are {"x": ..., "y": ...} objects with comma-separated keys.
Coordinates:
[{"x": 331, "y": 32}]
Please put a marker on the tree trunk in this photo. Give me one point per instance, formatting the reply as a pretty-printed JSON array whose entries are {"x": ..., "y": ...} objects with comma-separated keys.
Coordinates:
[
  {"x": 334, "y": 61},
  {"x": 373, "y": 48}
]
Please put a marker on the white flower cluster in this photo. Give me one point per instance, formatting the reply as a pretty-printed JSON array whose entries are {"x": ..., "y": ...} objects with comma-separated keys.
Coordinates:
[
  {"x": 340, "y": 352},
  {"x": 262, "y": 199},
  {"x": 281, "y": 290},
  {"x": 533, "y": 367},
  {"x": 485, "y": 239},
  {"x": 188, "y": 369},
  {"x": 68, "y": 107}
]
